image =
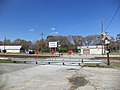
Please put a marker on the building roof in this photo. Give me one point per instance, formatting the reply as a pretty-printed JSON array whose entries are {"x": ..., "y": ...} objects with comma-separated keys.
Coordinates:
[
  {"x": 89, "y": 47},
  {"x": 10, "y": 47}
]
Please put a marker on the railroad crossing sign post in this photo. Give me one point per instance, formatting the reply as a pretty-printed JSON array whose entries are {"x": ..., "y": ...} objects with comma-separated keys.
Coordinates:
[
  {"x": 106, "y": 39},
  {"x": 69, "y": 53},
  {"x": 107, "y": 50}
]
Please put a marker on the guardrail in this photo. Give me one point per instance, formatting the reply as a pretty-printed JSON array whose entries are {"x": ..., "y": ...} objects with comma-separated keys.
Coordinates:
[{"x": 79, "y": 62}]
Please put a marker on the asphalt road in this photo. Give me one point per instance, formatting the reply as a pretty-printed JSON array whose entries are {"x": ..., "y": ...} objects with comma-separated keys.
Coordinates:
[
  {"x": 11, "y": 67},
  {"x": 56, "y": 77}
]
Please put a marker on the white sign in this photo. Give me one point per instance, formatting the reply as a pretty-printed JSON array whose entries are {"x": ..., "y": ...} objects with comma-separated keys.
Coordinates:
[
  {"x": 107, "y": 42},
  {"x": 52, "y": 44}
]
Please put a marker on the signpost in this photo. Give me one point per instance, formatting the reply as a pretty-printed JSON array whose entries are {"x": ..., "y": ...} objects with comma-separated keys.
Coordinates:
[
  {"x": 106, "y": 39},
  {"x": 52, "y": 46},
  {"x": 107, "y": 50},
  {"x": 36, "y": 52},
  {"x": 69, "y": 53},
  {"x": 52, "y": 52}
]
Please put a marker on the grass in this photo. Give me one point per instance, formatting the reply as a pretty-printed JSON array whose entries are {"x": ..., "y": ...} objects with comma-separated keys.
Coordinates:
[
  {"x": 116, "y": 65},
  {"x": 115, "y": 53},
  {"x": 40, "y": 54},
  {"x": 6, "y": 61},
  {"x": 112, "y": 65}
]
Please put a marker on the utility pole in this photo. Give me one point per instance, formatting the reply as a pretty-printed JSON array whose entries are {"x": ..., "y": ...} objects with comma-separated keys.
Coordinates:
[
  {"x": 108, "y": 61},
  {"x": 4, "y": 42},
  {"x": 101, "y": 37},
  {"x": 102, "y": 26},
  {"x": 41, "y": 40},
  {"x": 4, "y": 51},
  {"x": 42, "y": 35}
]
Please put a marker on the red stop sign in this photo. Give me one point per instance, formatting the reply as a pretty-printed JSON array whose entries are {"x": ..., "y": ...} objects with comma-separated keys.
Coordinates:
[
  {"x": 36, "y": 52},
  {"x": 52, "y": 52},
  {"x": 69, "y": 51}
]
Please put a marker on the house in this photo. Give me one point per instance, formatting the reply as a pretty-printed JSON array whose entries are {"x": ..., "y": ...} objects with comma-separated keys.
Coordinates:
[
  {"x": 12, "y": 49},
  {"x": 91, "y": 49}
]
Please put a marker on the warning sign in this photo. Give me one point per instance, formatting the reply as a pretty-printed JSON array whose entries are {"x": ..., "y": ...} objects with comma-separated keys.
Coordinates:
[
  {"x": 69, "y": 51},
  {"x": 52, "y": 52}
]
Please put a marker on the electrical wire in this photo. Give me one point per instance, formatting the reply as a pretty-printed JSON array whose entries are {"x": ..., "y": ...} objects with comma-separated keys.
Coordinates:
[{"x": 112, "y": 17}]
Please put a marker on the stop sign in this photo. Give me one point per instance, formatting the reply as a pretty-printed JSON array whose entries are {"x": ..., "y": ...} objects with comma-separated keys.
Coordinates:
[
  {"x": 69, "y": 51},
  {"x": 36, "y": 52},
  {"x": 52, "y": 52}
]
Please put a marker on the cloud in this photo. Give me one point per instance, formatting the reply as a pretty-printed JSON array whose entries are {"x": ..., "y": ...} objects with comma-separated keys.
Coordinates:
[
  {"x": 31, "y": 30},
  {"x": 55, "y": 33},
  {"x": 53, "y": 28}
]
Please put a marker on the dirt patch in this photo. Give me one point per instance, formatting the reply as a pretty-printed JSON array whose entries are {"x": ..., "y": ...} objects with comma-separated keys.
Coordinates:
[
  {"x": 72, "y": 69},
  {"x": 77, "y": 81}
]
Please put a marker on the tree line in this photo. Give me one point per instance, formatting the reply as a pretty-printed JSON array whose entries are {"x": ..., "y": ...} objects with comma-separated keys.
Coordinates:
[{"x": 65, "y": 42}]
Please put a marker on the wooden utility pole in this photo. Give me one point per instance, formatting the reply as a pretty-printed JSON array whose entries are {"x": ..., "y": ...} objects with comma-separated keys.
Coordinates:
[
  {"x": 101, "y": 37},
  {"x": 4, "y": 43},
  {"x": 41, "y": 41},
  {"x": 4, "y": 51}
]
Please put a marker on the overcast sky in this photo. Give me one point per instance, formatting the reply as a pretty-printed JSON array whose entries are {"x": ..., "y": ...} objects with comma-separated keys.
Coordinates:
[{"x": 27, "y": 19}]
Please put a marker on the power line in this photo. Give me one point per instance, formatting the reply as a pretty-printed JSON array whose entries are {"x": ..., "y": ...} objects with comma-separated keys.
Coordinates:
[{"x": 112, "y": 17}]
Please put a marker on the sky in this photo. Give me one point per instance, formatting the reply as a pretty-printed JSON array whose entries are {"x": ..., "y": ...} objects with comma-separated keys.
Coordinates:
[{"x": 28, "y": 19}]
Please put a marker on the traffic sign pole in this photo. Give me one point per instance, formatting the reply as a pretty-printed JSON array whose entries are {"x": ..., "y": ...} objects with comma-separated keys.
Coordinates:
[
  {"x": 69, "y": 53},
  {"x": 52, "y": 52},
  {"x": 108, "y": 61}
]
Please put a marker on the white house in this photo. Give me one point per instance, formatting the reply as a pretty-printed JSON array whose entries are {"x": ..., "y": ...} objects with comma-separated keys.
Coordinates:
[
  {"x": 12, "y": 49},
  {"x": 91, "y": 49}
]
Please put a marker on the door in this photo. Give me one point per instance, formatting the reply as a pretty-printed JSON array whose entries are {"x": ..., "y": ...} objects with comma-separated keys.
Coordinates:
[{"x": 86, "y": 51}]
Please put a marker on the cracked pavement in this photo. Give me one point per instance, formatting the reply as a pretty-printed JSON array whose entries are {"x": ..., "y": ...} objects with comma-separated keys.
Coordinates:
[{"x": 55, "y": 77}]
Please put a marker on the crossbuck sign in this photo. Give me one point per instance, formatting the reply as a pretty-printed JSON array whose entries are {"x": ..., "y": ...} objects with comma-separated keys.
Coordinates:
[{"x": 52, "y": 44}]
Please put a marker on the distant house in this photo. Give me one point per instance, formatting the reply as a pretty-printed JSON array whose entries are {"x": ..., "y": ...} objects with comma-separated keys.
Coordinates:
[
  {"x": 90, "y": 49},
  {"x": 12, "y": 49}
]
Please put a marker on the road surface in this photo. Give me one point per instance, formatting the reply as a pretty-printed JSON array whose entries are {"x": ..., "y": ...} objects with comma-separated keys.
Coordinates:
[{"x": 56, "y": 77}]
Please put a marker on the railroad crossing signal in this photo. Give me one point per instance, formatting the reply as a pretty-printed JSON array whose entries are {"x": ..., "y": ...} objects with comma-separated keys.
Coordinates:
[{"x": 105, "y": 36}]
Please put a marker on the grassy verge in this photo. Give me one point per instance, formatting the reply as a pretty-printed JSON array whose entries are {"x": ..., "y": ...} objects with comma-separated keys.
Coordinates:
[
  {"x": 6, "y": 61},
  {"x": 40, "y": 54},
  {"x": 116, "y": 65},
  {"x": 112, "y": 65},
  {"x": 115, "y": 53}
]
